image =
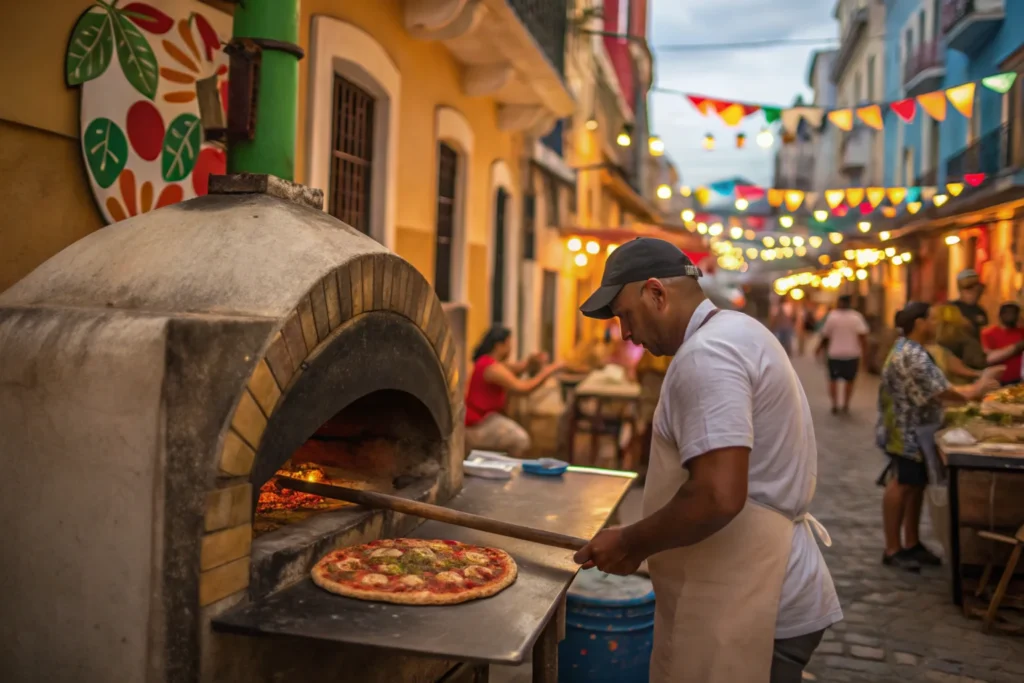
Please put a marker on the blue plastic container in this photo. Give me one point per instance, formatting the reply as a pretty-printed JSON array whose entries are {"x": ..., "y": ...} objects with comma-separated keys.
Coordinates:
[{"x": 609, "y": 628}]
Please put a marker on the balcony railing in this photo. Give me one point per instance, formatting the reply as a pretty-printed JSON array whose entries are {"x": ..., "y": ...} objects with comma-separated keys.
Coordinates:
[
  {"x": 925, "y": 68},
  {"x": 547, "y": 21},
  {"x": 990, "y": 154},
  {"x": 968, "y": 25}
]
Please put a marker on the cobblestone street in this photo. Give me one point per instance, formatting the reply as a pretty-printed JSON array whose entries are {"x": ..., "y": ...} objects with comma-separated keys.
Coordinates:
[{"x": 898, "y": 626}]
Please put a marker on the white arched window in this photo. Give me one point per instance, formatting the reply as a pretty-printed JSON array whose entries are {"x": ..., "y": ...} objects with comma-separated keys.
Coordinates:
[
  {"x": 455, "y": 142},
  {"x": 352, "y": 141}
]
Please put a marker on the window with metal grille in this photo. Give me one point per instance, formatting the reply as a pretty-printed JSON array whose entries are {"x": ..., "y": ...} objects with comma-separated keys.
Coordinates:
[
  {"x": 351, "y": 154},
  {"x": 498, "y": 281},
  {"x": 447, "y": 174}
]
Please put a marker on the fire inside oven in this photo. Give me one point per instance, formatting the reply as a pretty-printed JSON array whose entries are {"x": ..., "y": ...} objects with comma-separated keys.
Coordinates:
[{"x": 384, "y": 442}]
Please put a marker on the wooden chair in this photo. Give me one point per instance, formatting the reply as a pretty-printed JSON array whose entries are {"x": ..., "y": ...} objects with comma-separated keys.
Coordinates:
[{"x": 1017, "y": 541}]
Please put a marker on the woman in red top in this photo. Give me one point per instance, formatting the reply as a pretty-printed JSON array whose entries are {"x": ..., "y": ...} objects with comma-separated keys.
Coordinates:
[
  {"x": 1006, "y": 334},
  {"x": 494, "y": 376}
]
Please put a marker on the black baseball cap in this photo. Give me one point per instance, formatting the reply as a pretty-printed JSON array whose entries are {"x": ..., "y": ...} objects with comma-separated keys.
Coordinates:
[{"x": 636, "y": 261}]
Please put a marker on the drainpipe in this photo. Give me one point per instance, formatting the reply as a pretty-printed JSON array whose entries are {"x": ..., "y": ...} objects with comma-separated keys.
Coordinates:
[{"x": 273, "y": 26}]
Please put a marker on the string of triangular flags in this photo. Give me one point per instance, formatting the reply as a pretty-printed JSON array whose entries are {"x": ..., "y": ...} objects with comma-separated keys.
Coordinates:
[
  {"x": 871, "y": 115},
  {"x": 841, "y": 200}
]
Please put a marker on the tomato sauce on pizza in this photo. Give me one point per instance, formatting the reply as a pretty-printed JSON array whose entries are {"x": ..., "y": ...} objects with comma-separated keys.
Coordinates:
[{"x": 414, "y": 571}]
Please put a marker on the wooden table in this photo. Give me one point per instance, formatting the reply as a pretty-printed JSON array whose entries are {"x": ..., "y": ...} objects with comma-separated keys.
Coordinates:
[
  {"x": 605, "y": 393},
  {"x": 969, "y": 458}
]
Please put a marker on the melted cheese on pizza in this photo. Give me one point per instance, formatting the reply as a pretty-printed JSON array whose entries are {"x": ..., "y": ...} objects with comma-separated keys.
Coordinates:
[
  {"x": 412, "y": 581},
  {"x": 475, "y": 558},
  {"x": 375, "y": 580},
  {"x": 475, "y": 572},
  {"x": 449, "y": 577},
  {"x": 386, "y": 552}
]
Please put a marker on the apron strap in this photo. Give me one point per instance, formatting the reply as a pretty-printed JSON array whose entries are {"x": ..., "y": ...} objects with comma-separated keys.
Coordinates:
[{"x": 816, "y": 528}]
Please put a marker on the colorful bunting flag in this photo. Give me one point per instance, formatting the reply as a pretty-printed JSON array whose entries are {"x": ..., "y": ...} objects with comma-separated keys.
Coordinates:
[
  {"x": 871, "y": 116},
  {"x": 913, "y": 194},
  {"x": 841, "y": 119},
  {"x": 954, "y": 188},
  {"x": 1000, "y": 83},
  {"x": 704, "y": 105},
  {"x": 751, "y": 193},
  {"x": 974, "y": 179},
  {"x": 771, "y": 114},
  {"x": 962, "y": 98},
  {"x": 726, "y": 187},
  {"x": 905, "y": 109},
  {"x": 913, "y": 207},
  {"x": 889, "y": 211},
  {"x": 934, "y": 103},
  {"x": 775, "y": 198},
  {"x": 896, "y": 194},
  {"x": 875, "y": 196},
  {"x": 854, "y": 195},
  {"x": 791, "y": 117},
  {"x": 794, "y": 198},
  {"x": 834, "y": 198},
  {"x": 702, "y": 195}
]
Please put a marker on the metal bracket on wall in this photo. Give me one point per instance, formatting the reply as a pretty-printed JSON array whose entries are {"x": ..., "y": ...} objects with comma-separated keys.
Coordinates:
[{"x": 243, "y": 88}]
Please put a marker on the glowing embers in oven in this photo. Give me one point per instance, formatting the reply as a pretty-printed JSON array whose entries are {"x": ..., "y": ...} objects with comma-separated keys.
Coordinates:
[{"x": 275, "y": 498}]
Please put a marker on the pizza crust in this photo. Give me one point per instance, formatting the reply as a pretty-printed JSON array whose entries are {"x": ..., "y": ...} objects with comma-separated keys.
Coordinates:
[{"x": 321, "y": 577}]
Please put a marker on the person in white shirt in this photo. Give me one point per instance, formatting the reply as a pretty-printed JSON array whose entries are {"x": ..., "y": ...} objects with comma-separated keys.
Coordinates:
[
  {"x": 844, "y": 338},
  {"x": 742, "y": 591}
]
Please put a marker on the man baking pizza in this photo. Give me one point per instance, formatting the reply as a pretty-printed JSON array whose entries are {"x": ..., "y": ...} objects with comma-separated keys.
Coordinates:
[{"x": 742, "y": 591}]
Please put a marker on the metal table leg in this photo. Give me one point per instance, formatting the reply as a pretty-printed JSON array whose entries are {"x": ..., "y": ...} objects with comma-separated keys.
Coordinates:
[
  {"x": 545, "y": 651},
  {"x": 954, "y": 534}
]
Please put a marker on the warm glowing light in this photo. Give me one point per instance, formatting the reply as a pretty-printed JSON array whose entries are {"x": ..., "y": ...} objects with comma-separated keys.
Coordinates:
[
  {"x": 814, "y": 241},
  {"x": 581, "y": 260},
  {"x": 786, "y": 221},
  {"x": 821, "y": 215},
  {"x": 574, "y": 244},
  {"x": 685, "y": 191},
  {"x": 749, "y": 234},
  {"x": 702, "y": 228},
  {"x": 835, "y": 237},
  {"x": 952, "y": 239},
  {"x": 913, "y": 207},
  {"x": 824, "y": 259},
  {"x": 768, "y": 255},
  {"x": 862, "y": 274},
  {"x": 742, "y": 204},
  {"x": 884, "y": 235},
  {"x": 593, "y": 247},
  {"x": 798, "y": 241},
  {"x": 656, "y": 146},
  {"x": 890, "y": 252},
  {"x": 715, "y": 229},
  {"x": 688, "y": 215},
  {"x": 768, "y": 241},
  {"x": 849, "y": 254},
  {"x": 797, "y": 294},
  {"x": 905, "y": 256},
  {"x": 784, "y": 240},
  {"x": 801, "y": 251},
  {"x": 623, "y": 140},
  {"x": 864, "y": 226},
  {"x": 664, "y": 192},
  {"x": 751, "y": 253},
  {"x": 897, "y": 260},
  {"x": 591, "y": 124},
  {"x": 765, "y": 139},
  {"x": 709, "y": 142},
  {"x": 787, "y": 252},
  {"x": 940, "y": 199},
  {"x": 611, "y": 248},
  {"x": 736, "y": 232}
]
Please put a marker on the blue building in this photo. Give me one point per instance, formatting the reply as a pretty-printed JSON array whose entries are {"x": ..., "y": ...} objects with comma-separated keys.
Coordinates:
[{"x": 933, "y": 45}]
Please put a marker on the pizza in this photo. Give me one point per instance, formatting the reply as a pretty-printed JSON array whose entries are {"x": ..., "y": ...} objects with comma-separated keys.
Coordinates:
[
  {"x": 1012, "y": 395},
  {"x": 412, "y": 571}
]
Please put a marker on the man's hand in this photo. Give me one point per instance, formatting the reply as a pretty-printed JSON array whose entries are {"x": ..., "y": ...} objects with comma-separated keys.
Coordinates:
[
  {"x": 609, "y": 552},
  {"x": 993, "y": 372}
]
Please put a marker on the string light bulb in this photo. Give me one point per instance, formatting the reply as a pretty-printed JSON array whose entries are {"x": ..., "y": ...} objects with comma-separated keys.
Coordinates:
[
  {"x": 580, "y": 260},
  {"x": 905, "y": 256},
  {"x": 890, "y": 252},
  {"x": 765, "y": 139},
  {"x": 884, "y": 236},
  {"x": 864, "y": 226},
  {"x": 687, "y": 215},
  {"x": 664, "y": 192},
  {"x": 940, "y": 199},
  {"x": 952, "y": 239},
  {"x": 702, "y": 228},
  {"x": 685, "y": 191},
  {"x": 801, "y": 250},
  {"x": 709, "y": 141},
  {"x": 656, "y": 146},
  {"x": 796, "y": 293},
  {"x": 821, "y": 215},
  {"x": 798, "y": 241},
  {"x": 824, "y": 259},
  {"x": 741, "y": 140},
  {"x": 715, "y": 229},
  {"x": 897, "y": 260},
  {"x": 862, "y": 274},
  {"x": 786, "y": 221},
  {"x": 574, "y": 244},
  {"x": 736, "y": 232},
  {"x": 752, "y": 254},
  {"x": 835, "y": 237},
  {"x": 742, "y": 204},
  {"x": 591, "y": 124},
  {"x": 749, "y": 234},
  {"x": 784, "y": 240},
  {"x": 814, "y": 241},
  {"x": 623, "y": 139},
  {"x": 768, "y": 241},
  {"x": 593, "y": 247}
]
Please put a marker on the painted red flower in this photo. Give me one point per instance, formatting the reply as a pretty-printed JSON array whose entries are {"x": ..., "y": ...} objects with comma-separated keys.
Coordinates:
[
  {"x": 145, "y": 129},
  {"x": 134, "y": 204},
  {"x": 148, "y": 17}
]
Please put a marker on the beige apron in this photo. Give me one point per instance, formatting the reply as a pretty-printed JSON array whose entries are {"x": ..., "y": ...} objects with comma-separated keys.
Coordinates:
[{"x": 717, "y": 601}]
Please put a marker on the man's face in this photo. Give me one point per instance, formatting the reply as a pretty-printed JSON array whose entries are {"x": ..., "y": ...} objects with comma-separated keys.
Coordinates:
[
  {"x": 1009, "y": 316},
  {"x": 641, "y": 308},
  {"x": 970, "y": 291},
  {"x": 926, "y": 326}
]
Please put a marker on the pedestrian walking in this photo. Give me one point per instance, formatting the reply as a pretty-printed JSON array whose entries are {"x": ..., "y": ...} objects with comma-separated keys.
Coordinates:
[
  {"x": 910, "y": 399},
  {"x": 742, "y": 591},
  {"x": 844, "y": 341}
]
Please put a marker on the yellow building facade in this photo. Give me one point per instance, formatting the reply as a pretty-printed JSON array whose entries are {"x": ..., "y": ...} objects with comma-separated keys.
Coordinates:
[{"x": 463, "y": 77}]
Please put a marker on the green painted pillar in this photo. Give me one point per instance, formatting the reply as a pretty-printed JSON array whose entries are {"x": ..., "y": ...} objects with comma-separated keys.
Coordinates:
[{"x": 272, "y": 149}]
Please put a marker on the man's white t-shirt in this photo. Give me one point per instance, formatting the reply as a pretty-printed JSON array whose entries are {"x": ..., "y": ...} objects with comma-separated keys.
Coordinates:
[
  {"x": 732, "y": 385},
  {"x": 843, "y": 329}
]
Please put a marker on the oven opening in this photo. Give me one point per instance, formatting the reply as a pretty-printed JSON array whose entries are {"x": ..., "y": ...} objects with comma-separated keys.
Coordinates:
[{"x": 386, "y": 441}]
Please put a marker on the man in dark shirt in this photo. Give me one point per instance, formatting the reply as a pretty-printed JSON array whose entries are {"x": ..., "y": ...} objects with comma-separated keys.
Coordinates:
[{"x": 971, "y": 288}]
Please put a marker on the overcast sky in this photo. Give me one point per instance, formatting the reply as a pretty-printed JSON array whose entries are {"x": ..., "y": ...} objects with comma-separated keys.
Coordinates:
[{"x": 773, "y": 75}]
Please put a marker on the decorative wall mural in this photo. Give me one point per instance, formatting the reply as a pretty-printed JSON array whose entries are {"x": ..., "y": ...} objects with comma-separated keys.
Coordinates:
[{"x": 137, "y": 66}]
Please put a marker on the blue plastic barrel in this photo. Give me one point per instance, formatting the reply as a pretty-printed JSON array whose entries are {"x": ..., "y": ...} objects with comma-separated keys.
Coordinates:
[{"x": 609, "y": 628}]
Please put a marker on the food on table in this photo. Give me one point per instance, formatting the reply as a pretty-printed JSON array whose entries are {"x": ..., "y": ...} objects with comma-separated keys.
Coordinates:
[
  {"x": 1012, "y": 395},
  {"x": 413, "y": 571}
]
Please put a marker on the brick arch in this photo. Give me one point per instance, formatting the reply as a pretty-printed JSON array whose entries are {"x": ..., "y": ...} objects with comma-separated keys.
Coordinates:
[{"x": 377, "y": 282}]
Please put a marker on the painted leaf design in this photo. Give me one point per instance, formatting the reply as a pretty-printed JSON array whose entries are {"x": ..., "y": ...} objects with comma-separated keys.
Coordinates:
[
  {"x": 181, "y": 147},
  {"x": 91, "y": 47},
  {"x": 135, "y": 55},
  {"x": 106, "y": 150}
]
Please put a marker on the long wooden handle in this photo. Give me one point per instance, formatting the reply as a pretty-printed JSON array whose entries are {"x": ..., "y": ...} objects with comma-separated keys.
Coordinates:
[{"x": 437, "y": 513}]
